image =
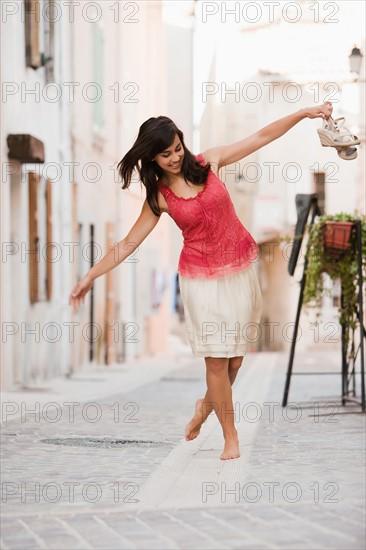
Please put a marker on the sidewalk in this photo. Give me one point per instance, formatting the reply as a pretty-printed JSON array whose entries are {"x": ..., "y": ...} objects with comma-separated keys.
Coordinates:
[{"x": 134, "y": 482}]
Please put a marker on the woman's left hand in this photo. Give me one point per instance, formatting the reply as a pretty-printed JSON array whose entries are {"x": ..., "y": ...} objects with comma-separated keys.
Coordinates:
[{"x": 320, "y": 111}]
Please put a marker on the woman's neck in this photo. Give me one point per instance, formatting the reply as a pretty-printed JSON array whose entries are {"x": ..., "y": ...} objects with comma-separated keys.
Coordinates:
[{"x": 171, "y": 179}]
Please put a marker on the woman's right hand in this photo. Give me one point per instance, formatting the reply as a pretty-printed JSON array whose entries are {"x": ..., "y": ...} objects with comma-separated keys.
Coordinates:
[{"x": 79, "y": 291}]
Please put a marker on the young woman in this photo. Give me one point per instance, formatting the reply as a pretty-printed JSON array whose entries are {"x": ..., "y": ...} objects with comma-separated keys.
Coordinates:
[{"x": 218, "y": 284}]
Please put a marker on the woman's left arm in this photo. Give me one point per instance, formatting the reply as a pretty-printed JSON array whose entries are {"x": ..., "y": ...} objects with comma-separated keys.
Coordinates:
[{"x": 227, "y": 154}]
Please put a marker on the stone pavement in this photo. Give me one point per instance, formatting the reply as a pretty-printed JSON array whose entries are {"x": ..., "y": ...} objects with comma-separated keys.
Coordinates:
[{"x": 122, "y": 475}]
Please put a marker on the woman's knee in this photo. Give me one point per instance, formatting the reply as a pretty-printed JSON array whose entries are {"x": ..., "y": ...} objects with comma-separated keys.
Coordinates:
[
  {"x": 217, "y": 365},
  {"x": 235, "y": 363}
]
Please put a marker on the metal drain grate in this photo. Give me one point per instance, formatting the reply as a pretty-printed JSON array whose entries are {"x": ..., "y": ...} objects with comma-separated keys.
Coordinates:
[{"x": 105, "y": 443}]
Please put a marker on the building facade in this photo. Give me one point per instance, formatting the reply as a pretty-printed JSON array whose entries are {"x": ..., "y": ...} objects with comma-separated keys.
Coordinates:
[
  {"x": 240, "y": 97},
  {"x": 79, "y": 80}
]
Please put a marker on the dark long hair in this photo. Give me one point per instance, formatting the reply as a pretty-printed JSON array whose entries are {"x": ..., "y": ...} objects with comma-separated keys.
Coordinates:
[{"x": 154, "y": 137}]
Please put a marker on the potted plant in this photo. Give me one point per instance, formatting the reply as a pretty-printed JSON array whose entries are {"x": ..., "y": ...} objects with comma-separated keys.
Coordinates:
[
  {"x": 337, "y": 235},
  {"x": 332, "y": 249}
]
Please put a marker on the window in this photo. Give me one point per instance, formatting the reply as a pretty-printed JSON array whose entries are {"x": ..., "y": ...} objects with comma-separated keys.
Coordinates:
[
  {"x": 40, "y": 35},
  {"x": 49, "y": 40},
  {"x": 319, "y": 189},
  {"x": 40, "y": 238},
  {"x": 32, "y": 24}
]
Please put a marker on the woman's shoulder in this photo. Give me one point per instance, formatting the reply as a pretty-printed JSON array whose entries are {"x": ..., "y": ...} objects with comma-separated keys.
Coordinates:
[
  {"x": 162, "y": 188},
  {"x": 202, "y": 157},
  {"x": 209, "y": 156},
  {"x": 163, "y": 193}
]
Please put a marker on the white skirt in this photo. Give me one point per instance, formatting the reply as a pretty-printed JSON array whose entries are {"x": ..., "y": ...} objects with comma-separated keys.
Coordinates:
[{"x": 222, "y": 315}]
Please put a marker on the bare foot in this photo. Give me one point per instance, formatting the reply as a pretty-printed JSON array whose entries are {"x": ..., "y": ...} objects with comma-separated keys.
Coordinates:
[
  {"x": 231, "y": 449},
  {"x": 194, "y": 426}
]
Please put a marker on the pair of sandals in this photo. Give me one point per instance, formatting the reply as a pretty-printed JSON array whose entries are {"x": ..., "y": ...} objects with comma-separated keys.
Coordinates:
[{"x": 334, "y": 134}]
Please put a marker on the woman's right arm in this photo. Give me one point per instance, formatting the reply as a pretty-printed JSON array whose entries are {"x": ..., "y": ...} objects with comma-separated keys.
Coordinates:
[
  {"x": 117, "y": 254},
  {"x": 120, "y": 251}
]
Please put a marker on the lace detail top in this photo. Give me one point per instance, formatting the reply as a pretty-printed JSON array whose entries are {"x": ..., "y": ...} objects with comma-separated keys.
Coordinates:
[{"x": 216, "y": 243}]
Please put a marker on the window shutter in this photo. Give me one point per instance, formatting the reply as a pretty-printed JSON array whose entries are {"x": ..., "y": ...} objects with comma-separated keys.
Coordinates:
[
  {"x": 50, "y": 41},
  {"x": 49, "y": 239},
  {"x": 32, "y": 53},
  {"x": 33, "y": 184},
  {"x": 109, "y": 353}
]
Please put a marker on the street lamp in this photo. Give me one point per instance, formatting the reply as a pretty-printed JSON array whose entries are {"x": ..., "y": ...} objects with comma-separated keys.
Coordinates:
[{"x": 355, "y": 59}]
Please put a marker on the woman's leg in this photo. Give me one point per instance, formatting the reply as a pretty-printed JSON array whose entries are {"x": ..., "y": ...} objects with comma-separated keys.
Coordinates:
[
  {"x": 234, "y": 365},
  {"x": 204, "y": 406},
  {"x": 219, "y": 390},
  {"x": 221, "y": 374}
]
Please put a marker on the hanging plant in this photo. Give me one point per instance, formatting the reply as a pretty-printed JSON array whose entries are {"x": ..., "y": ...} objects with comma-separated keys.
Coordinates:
[
  {"x": 337, "y": 236},
  {"x": 332, "y": 249}
]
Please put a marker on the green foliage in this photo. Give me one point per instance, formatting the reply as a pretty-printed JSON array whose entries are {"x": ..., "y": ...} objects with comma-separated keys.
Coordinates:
[{"x": 343, "y": 267}]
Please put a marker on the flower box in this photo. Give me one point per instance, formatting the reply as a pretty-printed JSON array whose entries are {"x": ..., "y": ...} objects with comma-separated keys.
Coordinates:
[{"x": 337, "y": 236}]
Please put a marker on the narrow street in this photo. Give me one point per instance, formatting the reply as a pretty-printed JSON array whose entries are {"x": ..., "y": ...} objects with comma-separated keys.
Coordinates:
[
  {"x": 101, "y": 462},
  {"x": 151, "y": 151}
]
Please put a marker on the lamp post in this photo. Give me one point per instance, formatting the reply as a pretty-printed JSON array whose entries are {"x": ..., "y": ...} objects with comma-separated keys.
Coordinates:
[{"x": 355, "y": 60}]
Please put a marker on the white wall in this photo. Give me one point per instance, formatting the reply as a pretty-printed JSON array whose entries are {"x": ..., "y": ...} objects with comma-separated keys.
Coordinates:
[
  {"x": 135, "y": 59},
  {"x": 24, "y": 113},
  {"x": 249, "y": 61}
]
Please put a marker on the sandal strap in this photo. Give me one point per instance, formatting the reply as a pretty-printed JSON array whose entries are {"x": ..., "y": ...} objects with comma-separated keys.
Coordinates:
[
  {"x": 337, "y": 128},
  {"x": 344, "y": 135}
]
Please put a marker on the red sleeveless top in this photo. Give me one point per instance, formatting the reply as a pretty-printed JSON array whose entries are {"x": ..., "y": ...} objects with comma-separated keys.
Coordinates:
[{"x": 216, "y": 243}]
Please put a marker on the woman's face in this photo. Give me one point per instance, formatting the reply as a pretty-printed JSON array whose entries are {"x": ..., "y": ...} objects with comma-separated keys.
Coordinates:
[{"x": 170, "y": 160}]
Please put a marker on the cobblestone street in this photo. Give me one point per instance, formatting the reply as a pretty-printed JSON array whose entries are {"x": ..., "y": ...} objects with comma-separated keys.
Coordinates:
[
  {"x": 183, "y": 181},
  {"x": 102, "y": 462}
]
